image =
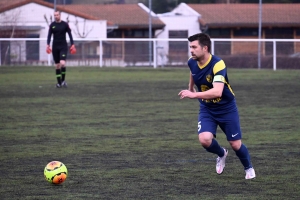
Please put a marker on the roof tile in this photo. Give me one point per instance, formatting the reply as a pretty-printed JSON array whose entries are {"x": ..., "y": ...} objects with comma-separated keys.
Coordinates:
[
  {"x": 11, "y": 4},
  {"x": 247, "y": 14},
  {"x": 123, "y": 15}
]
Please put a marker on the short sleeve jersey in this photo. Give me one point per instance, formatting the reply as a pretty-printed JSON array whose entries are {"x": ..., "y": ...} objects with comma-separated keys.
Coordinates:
[{"x": 214, "y": 70}]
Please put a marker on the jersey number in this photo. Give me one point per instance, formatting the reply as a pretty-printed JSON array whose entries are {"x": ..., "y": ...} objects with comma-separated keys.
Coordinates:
[{"x": 199, "y": 126}]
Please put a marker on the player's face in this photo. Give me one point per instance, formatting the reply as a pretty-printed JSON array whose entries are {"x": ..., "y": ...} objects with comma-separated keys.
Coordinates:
[
  {"x": 57, "y": 16},
  {"x": 197, "y": 51}
]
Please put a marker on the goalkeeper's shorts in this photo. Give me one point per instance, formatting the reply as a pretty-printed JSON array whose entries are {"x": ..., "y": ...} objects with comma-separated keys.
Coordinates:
[{"x": 59, "y": 52}]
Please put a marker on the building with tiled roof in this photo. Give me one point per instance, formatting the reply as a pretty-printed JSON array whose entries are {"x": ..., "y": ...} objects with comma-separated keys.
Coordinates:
[
  {"x": 118, "y": 16},
  {"x": 104, "y": 1},
  {"x": 279, "y": 21},
  {"x": 247, "y": 15},
  {"x": 6, "y": 5},
  {"x": 131, "y": 21},
  {"x": 124, "y": 16},
  {"x": 32, "y": 18}
]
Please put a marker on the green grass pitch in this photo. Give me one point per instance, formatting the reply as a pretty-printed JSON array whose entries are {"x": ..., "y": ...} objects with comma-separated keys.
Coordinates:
[{"x": 123, "y": 133}]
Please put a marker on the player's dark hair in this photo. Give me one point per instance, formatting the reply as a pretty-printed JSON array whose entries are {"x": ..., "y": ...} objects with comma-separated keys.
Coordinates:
[{"x": 203, "y": 39}]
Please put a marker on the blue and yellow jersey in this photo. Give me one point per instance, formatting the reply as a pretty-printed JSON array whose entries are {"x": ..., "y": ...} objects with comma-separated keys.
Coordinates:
[{"x": 214, "y": 70}]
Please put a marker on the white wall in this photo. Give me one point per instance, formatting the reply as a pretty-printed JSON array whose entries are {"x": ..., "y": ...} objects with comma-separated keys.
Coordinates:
[
  {"x": 32, "y": 14},
  {"x": 182, "y": 18}
]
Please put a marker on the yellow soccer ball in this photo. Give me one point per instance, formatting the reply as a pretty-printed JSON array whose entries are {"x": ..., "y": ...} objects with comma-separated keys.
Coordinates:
[{"x": 55, "y": 172}]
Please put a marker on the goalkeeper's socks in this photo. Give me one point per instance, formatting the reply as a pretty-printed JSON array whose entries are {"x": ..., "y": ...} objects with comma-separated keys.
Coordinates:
[
  {"x": 58, "y": 76},
  {"x": 244, "y": 156},
  {"x": 63, "y": 74}
]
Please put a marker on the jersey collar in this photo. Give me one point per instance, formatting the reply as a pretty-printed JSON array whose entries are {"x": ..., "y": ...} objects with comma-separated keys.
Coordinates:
[{"x": 205, "y": 64}]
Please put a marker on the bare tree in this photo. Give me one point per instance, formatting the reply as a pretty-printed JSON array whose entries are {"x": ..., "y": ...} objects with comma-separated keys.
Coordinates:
[
  {"x": 85, "y": 30},
  {"x": 48, "y": 21},
  {"x": 82, "y": 34}
]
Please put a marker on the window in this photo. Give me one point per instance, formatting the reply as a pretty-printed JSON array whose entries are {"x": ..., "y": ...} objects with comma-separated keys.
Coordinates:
[
  {"x": 221, "y": 48},
  {"x": 282, "y": 48},
  {"x": 219, "y": 33},
  {"x": 32, "y": 48},
  {"x": 178, "y": 34},
  {"x": 115, "y": 34},
  {"x": 136, "y": 33},
  {"x": 297, "y": 31},
  {"x": 246, "y": 32},
  {"x": 277, "y": 33}
]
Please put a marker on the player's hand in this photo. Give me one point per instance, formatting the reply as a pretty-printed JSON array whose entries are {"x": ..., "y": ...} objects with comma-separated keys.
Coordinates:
[
  {"x": 72, "y": 49},
  {"x": 48, "y": 49},
  {"x": 186, "y": 94}
]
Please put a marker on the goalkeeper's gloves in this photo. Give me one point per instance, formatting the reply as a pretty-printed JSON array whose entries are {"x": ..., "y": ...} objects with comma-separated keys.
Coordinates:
[
  {"x": 48, "y": 49},
  {"x": 72, "y": 49}
]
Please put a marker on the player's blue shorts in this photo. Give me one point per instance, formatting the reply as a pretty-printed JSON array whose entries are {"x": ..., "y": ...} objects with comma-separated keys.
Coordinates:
[{"x": 229, "y": 122}]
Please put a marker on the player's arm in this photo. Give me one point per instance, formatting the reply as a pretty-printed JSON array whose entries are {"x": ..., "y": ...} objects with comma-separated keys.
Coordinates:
[
  {"x": 72, "y": 48},
  {"x": 70, "y": 35},
  {"x": 191, "y": 84},
  {"x": 212, "y": 93},
  {"x": 48, "y": 48},
  {"x": 49, "y": 36},
  {"x": 218, "y": 85}
]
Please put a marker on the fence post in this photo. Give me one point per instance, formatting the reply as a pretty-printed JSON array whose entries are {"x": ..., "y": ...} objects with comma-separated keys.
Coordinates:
[
  {"x": 100, "y": 54},
  {"x": 0, "y": 53},
  {"x": 212, "y": 47},
  {"x": 49, "y": 59},
  {"x": 154, "y": 54},
  {"x": 274, "y": 55}
]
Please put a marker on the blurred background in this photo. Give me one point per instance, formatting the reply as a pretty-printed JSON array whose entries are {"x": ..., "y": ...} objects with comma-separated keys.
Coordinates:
[{"x": 246, "y": 34}]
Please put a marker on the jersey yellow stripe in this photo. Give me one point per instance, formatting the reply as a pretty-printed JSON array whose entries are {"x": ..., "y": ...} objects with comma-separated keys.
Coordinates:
[
  {"x": 230, "y": 88},
  {"x": 219, "y": 66},
  {"x": 205, "y": 64}
]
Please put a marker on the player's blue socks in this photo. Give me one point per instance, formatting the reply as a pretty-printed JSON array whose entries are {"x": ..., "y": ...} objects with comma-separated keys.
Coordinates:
[
  {"x": 244, "y": 156},
  {"x": 215, "y": 148}
]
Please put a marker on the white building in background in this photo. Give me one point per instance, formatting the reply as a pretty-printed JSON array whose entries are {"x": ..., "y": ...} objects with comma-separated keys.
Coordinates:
[
  {"x": 31, "y": 20},
  {"x": 181, "y": 22},
  {"x": 182, "y": 18}
]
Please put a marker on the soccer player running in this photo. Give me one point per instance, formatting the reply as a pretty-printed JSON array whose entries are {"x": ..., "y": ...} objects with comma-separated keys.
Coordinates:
[
  {"x": 59, "y": 49},
  {"x": 217, "y": 103}
]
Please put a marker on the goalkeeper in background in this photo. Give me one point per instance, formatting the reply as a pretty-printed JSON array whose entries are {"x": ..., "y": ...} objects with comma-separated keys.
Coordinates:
[{"x": 59, "y": 49}]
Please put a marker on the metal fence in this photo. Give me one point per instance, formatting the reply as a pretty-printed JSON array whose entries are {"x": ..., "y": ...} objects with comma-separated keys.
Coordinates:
[{"x": 158, "y": 53}]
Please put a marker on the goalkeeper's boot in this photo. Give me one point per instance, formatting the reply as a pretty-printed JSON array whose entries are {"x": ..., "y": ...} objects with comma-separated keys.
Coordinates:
[
  {"x": 221, "y": 162},
  {"x": 58, "y": 85},
  {"x": 64, "y": 84},
  {"x": 250, "y": 173}
]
